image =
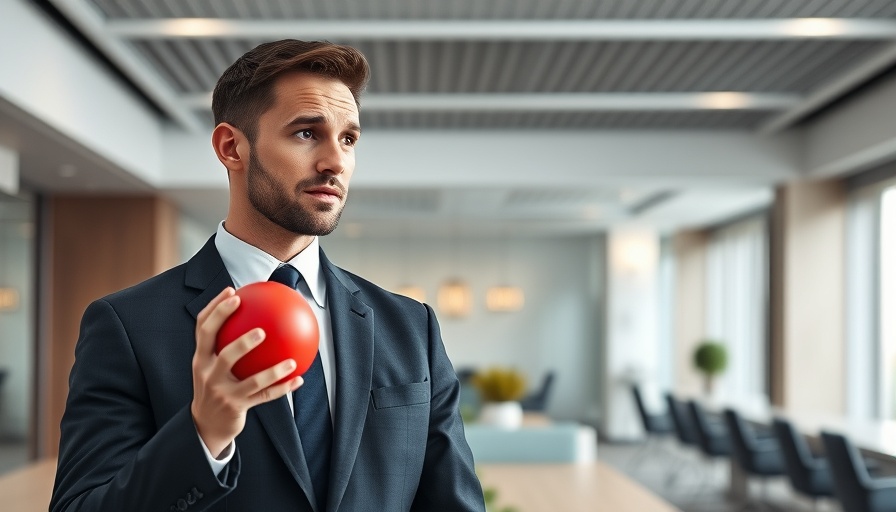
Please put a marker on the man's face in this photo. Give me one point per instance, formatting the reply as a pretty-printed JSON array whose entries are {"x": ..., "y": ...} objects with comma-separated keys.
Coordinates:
[{"x": 304, "y": 154}]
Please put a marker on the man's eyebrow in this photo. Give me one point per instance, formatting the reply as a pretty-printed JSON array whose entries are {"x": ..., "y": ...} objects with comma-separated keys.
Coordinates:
[
  {"x": 301, "y": 120},
  {"x": 313, "y": 120}
]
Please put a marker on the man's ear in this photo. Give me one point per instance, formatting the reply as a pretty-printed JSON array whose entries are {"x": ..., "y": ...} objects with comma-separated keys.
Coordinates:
[{"x": 231, "y": 147}]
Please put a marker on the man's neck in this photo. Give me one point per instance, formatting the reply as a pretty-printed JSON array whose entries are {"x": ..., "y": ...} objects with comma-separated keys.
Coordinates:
[{"x": 269, "y": 237}]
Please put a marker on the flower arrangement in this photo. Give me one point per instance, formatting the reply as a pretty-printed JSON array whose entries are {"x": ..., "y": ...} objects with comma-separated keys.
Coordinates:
[{"x": 500, "y": 384}]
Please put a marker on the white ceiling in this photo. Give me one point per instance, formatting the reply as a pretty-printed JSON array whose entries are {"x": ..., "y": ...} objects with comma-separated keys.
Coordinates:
[{"x": 523, "y": 66}]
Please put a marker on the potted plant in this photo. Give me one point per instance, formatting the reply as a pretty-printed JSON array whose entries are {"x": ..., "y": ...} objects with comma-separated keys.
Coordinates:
[
  {"x": 500, "y": 389},
  {"x": 711, "y": 359}
]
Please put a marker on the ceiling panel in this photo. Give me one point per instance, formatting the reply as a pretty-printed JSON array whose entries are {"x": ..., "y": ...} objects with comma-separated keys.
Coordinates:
[
  {"x": 497, "y": 9},
  {"x": 192, "y": 66},
  {"x": 652, "y": 67},
  {"x": 565, "y": 120}
]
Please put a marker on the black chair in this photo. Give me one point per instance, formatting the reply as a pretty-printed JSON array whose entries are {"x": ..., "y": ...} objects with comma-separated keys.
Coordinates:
[
  {"x": 854, "y": 487},
  {"x": 712, "y": 438},
  {"x": 683, "y": 427},
  {"x": 538, "y": 401},
  {"x": 809, "y": 475},
  {"x": 758, "y": 457},
  {"x": 657, "y": 424}
]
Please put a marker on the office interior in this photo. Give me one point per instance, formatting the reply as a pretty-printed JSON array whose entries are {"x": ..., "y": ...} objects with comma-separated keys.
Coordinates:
[{"x": 585, "y": 191}]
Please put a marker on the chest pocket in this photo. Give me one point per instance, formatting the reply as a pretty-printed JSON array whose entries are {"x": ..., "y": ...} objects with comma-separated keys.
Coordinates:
[{"x": 414, "y": 393}]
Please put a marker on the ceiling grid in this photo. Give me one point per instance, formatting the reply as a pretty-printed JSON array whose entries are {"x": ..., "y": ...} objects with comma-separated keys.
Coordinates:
[
  {"x": 522, "y": 65},
  {"x": 523, "y": 9}
]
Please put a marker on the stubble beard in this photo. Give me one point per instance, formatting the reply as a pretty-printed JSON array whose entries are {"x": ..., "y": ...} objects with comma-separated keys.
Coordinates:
[{"x": 272, "y": 201}]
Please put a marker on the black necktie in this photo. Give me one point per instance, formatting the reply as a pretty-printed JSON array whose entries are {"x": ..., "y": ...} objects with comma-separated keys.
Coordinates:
[{"x": 311, "y": 409}]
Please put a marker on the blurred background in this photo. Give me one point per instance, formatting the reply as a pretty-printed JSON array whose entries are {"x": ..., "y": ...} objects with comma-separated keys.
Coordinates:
[{"x": 585, "y": 190}]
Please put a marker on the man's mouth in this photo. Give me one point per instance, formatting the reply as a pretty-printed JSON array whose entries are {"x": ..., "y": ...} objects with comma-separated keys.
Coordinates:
[{"x": 325, "y": 193}]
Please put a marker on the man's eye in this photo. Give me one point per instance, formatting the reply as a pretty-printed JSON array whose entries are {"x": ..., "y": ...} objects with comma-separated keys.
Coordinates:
[
  {"x": 348, "y": 140},
  {"x": 304, "y": 134}
]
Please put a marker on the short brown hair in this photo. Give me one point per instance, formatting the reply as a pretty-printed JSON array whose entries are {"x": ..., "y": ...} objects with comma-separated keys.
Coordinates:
[{"x": 245, "y": 90}]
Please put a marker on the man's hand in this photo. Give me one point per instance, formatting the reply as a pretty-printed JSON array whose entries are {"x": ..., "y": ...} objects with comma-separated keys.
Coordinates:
[{"x": 220, "y": 400}]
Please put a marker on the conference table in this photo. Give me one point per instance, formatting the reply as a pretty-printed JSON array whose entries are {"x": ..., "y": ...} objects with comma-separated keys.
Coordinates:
[
  {"x": 528, "y": 487},
  {"x": 581, "y": 487}
]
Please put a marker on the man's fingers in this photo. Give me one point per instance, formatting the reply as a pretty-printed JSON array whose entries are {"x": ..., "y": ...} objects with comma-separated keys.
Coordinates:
[
  {"x": 276, "y": 391},
  {"x": 207, "y": 330},
  {"x": 225, "y": 293},
  {"x": 240, "y": 347},
  {"x": 266, "y": 378}
]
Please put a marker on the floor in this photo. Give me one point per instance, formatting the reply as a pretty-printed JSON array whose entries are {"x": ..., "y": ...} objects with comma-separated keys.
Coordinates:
[
  {"x": 679, "y": 477},
  {"x": 694, "y": 485}
]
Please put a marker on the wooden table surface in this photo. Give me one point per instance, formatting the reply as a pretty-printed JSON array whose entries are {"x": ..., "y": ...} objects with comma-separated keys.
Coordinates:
[
  {"x": 593, "y": 487},
  {"x": 28, "y": 489},
  {"x": 528, "y": 487}
]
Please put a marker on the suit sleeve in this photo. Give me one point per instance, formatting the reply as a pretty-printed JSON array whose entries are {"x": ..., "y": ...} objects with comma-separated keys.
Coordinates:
[
  {"x": 113, "y": 455},
  {"x": 448, "y": 480}
]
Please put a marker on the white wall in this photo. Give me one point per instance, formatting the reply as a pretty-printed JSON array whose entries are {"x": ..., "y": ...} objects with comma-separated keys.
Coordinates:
[
  {"x": 631, "y": 349},
  {"x": 557, "y": 329},
  {"x": 51, "y": 77}
]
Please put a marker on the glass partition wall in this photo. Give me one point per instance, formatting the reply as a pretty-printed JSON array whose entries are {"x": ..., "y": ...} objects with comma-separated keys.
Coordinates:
[{"x": 17, "y": 327}]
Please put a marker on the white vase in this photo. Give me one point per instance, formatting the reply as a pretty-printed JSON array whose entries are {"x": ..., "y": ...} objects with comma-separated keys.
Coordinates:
[{"x": 507, "y": 415}]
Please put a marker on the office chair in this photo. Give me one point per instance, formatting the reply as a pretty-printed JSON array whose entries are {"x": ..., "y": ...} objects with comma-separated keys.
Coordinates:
[
  {"x": 712, "y": 437},
  {"x": 683, "y": 428},
  {"x": 538, "y": 401},
  {"x": 758, "y": 457},
  {"x": 656, "y": 425},
  {"x": 809, "y": 475},
  {"x": 854, "y": 487}
]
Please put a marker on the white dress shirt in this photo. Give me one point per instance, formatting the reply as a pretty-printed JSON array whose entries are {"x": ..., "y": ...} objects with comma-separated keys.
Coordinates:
[{"x": 248, "y": 264}]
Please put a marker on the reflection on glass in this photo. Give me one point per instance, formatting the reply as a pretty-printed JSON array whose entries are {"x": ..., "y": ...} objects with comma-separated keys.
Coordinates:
[{"x": 16, "y": 329}]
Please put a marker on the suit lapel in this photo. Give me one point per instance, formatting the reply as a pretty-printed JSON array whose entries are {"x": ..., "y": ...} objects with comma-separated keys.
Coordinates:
[
  {"x": 352, "y": 322},
  {"x": 206, "y": 272},
  {"x": 278, "y": 421}
]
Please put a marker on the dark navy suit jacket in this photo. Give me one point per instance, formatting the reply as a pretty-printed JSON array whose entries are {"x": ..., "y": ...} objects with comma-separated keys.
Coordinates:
[{"x": 129, "y": 443}]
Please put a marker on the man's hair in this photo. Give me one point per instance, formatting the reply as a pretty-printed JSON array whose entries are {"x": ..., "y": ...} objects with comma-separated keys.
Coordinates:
[{"x": 246, "y": 89}]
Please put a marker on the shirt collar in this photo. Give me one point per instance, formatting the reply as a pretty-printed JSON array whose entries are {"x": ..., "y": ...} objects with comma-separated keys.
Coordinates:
[{"x": 248, "y": 264}]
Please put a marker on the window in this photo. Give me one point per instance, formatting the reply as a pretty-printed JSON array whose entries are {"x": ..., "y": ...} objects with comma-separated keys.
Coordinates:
[
  {"x": 737, "y": 304},
  {"x": 887, "y": 360},
  {"x": 871, "y": 299}
]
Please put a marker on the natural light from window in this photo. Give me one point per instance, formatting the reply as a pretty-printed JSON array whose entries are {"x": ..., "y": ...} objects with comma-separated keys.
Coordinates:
[{"x": 888, "y": 302}]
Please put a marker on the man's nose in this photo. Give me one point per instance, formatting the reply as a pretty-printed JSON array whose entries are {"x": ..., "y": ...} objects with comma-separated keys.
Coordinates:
[{"x": 333, "y": 158}]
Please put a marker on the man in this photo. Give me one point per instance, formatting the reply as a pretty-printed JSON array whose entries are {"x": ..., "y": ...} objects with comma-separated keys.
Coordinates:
[{"x": 156, "y": 421}]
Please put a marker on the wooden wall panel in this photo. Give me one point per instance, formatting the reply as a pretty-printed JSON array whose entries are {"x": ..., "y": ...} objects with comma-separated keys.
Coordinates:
[
  {"x": 808, "y": 294},
  {"x": 97, "y": 245},
  {"x": 690, "y": 307}
]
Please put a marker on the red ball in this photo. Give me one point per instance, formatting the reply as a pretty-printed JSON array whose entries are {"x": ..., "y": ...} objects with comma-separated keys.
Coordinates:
[{"x": 289, "y": 324}]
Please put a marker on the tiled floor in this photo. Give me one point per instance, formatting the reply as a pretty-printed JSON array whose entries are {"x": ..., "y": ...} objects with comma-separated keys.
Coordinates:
[{"x": 693, "y": 485}]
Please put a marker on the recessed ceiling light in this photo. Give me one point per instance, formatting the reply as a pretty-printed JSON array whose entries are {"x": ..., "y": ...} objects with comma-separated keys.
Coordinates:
[
  {"x": 67, "y": 171},
  {"x": 816, "y": 27},
  {"x": 724, "y": 100}
]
